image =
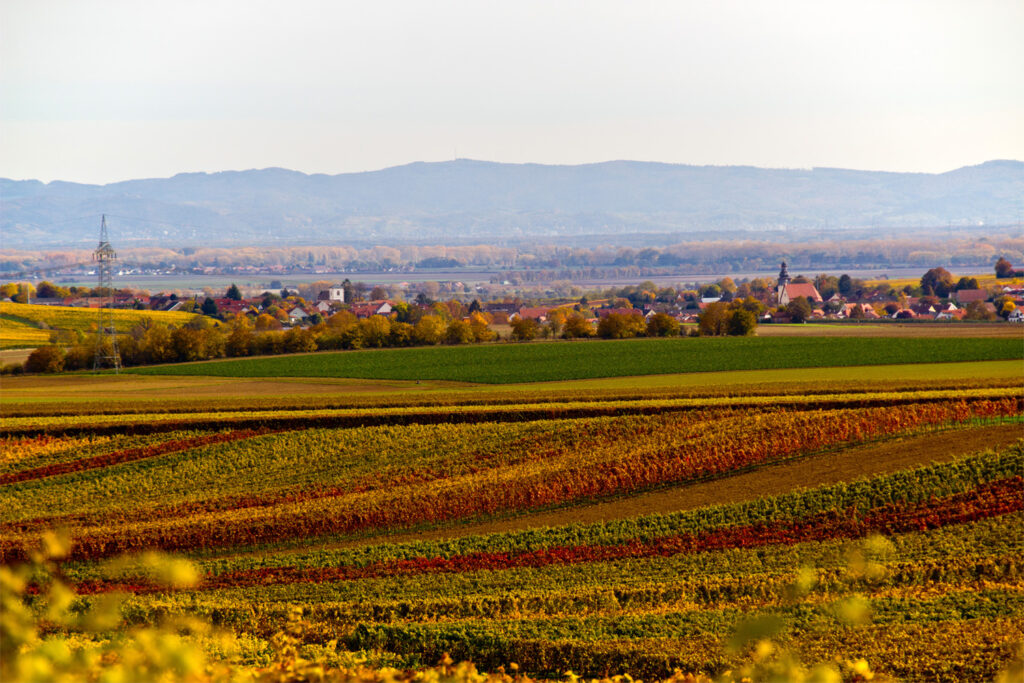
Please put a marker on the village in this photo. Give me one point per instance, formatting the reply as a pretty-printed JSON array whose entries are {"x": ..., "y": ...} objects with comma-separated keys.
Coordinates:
[{"x": 938, "y": 297}]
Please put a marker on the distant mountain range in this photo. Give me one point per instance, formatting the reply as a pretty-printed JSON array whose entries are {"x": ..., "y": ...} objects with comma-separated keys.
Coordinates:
[{"x": 477, "y": 201}]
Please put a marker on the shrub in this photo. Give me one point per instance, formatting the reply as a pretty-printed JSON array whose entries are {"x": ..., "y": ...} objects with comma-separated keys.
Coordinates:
[
  {"x": 428, "y": 330},
  {"x": 576, "y": 326},
  {"x": 45, "y": 359},
  {"x": 458, "y": 332},
  {"x": 799, "y": 309},
  {"x": 524, "y": 329},
  {"x": 297, "y": 340},
  {"x": 662, "y": 325},
  {"x": 616, "y": 326},
  {"x": 714, "y": 319},
  {"x": 741, "y": 323},
  {"x": 733, "y": 319}
]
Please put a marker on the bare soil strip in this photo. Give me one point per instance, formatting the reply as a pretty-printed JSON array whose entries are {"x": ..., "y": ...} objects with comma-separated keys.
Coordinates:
[
  {"x": 8, "y": 356},
  {"x": 828, "y": 468}
]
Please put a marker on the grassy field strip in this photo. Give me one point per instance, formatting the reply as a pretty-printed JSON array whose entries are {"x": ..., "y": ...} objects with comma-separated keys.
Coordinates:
[
  {"x": 539, "y": 362},
  {"x": 15, "y": 423},
  {"x": 82, "y": 388},
  {"x": 889, "y": 373},
  {"x": 844, "y": 464}
]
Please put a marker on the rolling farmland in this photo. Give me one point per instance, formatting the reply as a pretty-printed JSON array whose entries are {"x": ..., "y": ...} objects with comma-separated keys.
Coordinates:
[{"x": 598, "y": 528}]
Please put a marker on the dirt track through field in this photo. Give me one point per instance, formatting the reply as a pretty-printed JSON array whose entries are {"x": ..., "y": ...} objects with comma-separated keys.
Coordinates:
[{"x": 848, "y": 464}]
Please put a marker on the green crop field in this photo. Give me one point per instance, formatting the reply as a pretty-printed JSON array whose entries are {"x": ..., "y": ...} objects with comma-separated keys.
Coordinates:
[{"x": 542, "y": 362}]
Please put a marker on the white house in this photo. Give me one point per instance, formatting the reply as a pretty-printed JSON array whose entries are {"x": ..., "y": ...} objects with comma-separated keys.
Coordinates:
[{"x": 297, "y": 315}]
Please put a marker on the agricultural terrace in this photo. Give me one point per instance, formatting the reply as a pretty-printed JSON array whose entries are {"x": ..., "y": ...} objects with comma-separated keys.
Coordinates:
[
  {"x": 27, "y": 325},
  {"x": 601, "y": 526},
  {"x": 552, "y": 361}
]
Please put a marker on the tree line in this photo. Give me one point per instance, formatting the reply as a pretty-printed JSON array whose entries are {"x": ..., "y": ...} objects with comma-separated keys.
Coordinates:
[
  {"x": 150, "y": 343},
  {"x": 202, "y": 339}
]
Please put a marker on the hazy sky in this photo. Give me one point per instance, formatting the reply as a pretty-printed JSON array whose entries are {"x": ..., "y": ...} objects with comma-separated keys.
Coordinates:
[{"x": 94, "y": 91}]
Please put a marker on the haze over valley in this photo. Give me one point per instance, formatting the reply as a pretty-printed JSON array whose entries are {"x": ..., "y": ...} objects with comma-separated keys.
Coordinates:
[{"x": 467, "y": 201}]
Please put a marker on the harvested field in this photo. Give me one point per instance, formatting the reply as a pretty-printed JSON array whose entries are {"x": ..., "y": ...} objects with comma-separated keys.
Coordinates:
[{"x": 19, "y": 356}]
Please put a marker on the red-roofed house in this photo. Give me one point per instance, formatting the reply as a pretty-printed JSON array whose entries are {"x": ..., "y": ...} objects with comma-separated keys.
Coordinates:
[
  {"x": 369, "y": 308},
  {"x": 857, "y": 310},
  {"x": 947, "y": 314},
  {"x": 226, "y": 305},
  {"x": 540, "y": 314},
  {"x": 966, "y": 296},
  {"x": 605, "y": 312}
]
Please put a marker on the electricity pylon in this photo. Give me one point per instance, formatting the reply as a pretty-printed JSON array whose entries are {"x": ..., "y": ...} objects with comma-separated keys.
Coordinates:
[{"x": 106, "y": 334}]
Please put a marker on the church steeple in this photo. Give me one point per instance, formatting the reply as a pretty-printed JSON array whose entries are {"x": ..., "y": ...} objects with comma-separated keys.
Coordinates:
[
  {"x": 783, "y": 275},
  {"x": 781, "y": 295}
]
